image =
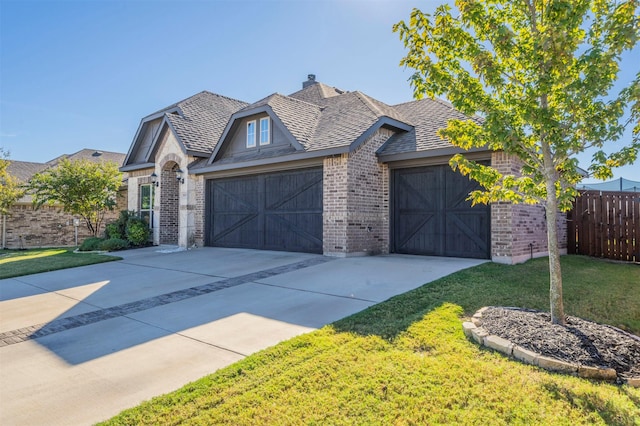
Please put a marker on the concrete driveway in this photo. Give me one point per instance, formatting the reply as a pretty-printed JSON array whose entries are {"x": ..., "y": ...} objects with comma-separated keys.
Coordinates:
[{"x": 78, "y": 346}]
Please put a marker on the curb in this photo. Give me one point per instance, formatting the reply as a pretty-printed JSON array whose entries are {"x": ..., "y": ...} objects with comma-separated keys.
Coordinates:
[{"x": 473, "y": 330}]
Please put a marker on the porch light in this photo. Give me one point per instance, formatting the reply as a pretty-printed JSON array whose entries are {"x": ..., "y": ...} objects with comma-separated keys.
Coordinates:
[
  {"x": 154, "y": 179},
  {"x": 179, "y": 173}
]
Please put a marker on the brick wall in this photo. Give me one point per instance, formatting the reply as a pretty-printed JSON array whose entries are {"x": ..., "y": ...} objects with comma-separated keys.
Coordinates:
[
  {"x": 356, "y": 201},
  {"x": 519, "y": 231},
  {"x": 49, "y": 226},
  {"x": 169, "y": 202},
  {"x": 199, "y": 210}
]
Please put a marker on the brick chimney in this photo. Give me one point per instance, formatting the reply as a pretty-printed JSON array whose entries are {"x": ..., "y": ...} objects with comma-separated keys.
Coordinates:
[{"x": 311, "y": 79}]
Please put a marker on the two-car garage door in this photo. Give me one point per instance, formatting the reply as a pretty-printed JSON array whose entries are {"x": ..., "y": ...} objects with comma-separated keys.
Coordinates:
[
  {"x": 274, "y": 211},
  {"x": 283, "y": 211}
]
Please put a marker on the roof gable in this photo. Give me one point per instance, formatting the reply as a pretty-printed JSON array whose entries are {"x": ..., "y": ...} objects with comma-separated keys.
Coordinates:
[
  {"x": 428, "y": 116},
  {"x": 197, "y": 122}
]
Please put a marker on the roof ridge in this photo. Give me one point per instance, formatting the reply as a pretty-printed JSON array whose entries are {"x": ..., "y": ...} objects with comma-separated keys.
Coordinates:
[
  {"x": 214, "y": 94},
  {"x": 183, "y": 101},
  {"x": 365, "y": 99}
]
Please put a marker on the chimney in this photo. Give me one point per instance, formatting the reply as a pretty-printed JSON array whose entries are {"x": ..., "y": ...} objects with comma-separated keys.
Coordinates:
[{"x": 311, "y": 79}]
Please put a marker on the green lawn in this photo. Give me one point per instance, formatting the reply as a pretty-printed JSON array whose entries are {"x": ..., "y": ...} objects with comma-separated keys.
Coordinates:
[
  {"x": 406, "y": 361},
  {"x": 15, "y": 263}
]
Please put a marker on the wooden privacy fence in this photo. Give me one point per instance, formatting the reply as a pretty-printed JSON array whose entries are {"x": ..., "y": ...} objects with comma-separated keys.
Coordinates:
[{"x": 605, "y": 224}]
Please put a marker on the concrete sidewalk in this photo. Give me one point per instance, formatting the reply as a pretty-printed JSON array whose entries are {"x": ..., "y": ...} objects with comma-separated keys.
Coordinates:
[{"x": 79, "y": 345}]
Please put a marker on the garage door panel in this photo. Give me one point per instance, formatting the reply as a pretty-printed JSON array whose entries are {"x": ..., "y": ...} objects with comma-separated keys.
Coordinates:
[
  {"x": 432, "y": 216},
  {"x": 294, "y": 191},
  {"x": 237, "y": 230},
  {"x": 467, "y": 235},
  {"x": 293, "y": 232},
  {"x": 277, "y": 211}
]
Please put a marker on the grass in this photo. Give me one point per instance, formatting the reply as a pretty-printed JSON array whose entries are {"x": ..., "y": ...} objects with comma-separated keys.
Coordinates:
[
  {"x": 406, "y": 361},
  {"x": 15, "y": 263}
]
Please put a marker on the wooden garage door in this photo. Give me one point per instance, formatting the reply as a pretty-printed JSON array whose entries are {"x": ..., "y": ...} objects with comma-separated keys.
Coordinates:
[
  {"x": 431, "y": 215},
  {"x": 276, "y": 211}
]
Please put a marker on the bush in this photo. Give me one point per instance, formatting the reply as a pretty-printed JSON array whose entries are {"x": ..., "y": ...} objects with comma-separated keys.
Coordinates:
[
  {"x": 137, "y": 231},
  {"x": 113, "y": 244},
  {"x": 91, "y": 244},
  {"x": 112, "y": 231}
]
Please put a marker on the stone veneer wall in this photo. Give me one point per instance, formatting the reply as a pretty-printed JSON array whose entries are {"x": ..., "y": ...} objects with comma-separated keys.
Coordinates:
[
  {"x": 50, "y": 226},
  {"x": 356, "y": 201},
  {"x": 519, "y": 231}
]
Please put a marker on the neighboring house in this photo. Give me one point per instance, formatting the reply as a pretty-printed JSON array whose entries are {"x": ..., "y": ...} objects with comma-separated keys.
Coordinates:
[
  {"x": 321, "y": 170},
  {"x": 50, "y": 226}
]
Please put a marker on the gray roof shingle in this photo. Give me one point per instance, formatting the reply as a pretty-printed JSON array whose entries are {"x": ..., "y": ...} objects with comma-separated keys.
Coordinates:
[
  {"x": 427, "y": 117},
  {"x": 203, "y": 119},
  {"x": 24, "y": 170},
  {"x": 316, "y": 93},
  {"x": 346, "y": 117}
]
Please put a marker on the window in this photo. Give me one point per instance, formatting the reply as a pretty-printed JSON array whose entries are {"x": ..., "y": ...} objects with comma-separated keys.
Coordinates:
[
  {"x": 264, "y": 131},
  {"x": 146, "y": 203},
  {"x": 251, "y": 134}
]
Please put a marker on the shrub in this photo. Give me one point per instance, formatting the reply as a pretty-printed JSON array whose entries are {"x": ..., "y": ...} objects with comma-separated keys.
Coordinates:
[
  {"x": 137, "y": 231},
  {"x": 112, "y": 230},
  {"x": 113, "y": 244},
  {"x": 91, "y": 244}
]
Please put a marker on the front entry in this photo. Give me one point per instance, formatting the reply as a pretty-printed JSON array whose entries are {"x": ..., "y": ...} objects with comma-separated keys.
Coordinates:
[{"x": 274, "y": 211}]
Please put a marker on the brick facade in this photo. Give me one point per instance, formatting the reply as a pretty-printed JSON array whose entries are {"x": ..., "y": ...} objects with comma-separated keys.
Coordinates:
[
  {"x": 356, "y": 201},
  {"x": 519, "y": 231},
  {"x": 169, "y": 205}
]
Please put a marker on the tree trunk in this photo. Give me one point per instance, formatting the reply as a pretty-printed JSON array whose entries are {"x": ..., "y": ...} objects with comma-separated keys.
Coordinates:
[{"x": 555, "y": 272}]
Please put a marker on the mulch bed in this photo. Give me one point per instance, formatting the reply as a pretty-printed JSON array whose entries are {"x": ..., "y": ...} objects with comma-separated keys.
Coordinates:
[{"x": 580, "y": 342}]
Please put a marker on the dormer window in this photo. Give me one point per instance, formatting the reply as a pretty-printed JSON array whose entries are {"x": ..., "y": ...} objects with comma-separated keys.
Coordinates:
[
  {"x": 251, "y": 134},
  {"x": 264, "y": 131}
]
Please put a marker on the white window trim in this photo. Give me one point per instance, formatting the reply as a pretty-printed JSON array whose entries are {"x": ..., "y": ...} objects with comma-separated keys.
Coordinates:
[
  {"x": 252, "y": 143},
  {"x": 268, "y": 141}
]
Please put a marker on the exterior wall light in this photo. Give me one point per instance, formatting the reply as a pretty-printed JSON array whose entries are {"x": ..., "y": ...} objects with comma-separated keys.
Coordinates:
[
  {"x": 154, "y": 179},
  {"x": 179, "y": 173}
]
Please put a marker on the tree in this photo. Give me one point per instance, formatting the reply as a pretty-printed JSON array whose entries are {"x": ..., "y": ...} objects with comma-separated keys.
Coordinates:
[
  {"x": 10, "y": 188},
  {"x": 539, "y": 74},
  {"x": 85, "y": 188}
]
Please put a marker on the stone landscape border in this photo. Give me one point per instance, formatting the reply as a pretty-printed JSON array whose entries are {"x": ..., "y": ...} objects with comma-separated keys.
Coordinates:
[{"x": 474, "y": 331}]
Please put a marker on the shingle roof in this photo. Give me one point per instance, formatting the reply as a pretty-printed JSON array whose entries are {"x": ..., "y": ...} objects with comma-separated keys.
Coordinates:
[
  {"x": 299, "y": 117},
  {"x": 91, "y": 155},
  {"x": 24, "y": 170},
  {"x": 202, "y": 120},
  {"x": 316, "y": 93},
  {"x": 338, "y": 122},
  {"x": 427, "y": 116},
  {"x": 346, "y": 117}
]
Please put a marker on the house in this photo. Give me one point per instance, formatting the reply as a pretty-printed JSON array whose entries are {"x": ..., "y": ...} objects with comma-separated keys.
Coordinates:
[
  {"x": 321, "y": 170},
  {"x": 50, "y": 226}
]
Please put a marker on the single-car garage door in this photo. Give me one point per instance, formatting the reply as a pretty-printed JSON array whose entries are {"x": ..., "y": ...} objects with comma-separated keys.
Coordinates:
[
  {"x": 431, "y": 215},
  {"x": 275, "y": 211}
]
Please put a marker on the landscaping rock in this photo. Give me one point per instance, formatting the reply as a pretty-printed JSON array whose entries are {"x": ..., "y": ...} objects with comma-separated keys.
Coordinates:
[
  {"x": 597, "y": 373},
  {"x": 634, "y": 382},
  {"x": 556, "y": 365},
  {"x": 479, "y": 334},
  {"x": 525, "y": 355},
  {"x": 499, "y": 344},
  {"x": 467, "y": 327}
]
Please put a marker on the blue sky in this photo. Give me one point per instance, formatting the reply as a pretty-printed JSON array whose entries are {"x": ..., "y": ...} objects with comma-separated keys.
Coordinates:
[{"x": 81, "y": 74}]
